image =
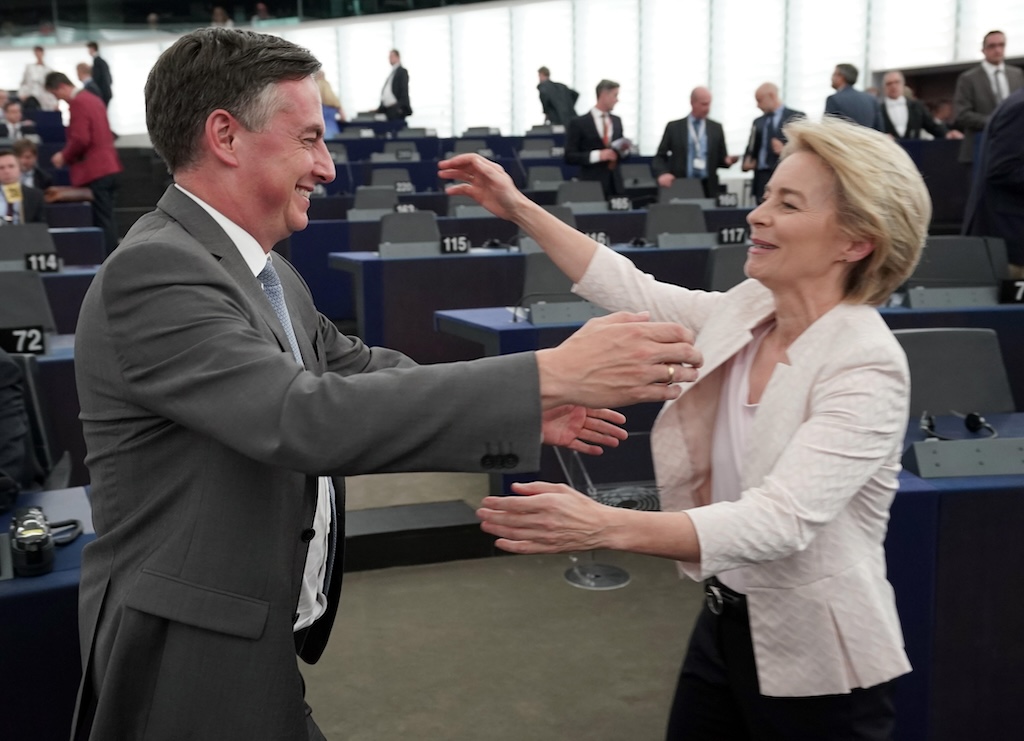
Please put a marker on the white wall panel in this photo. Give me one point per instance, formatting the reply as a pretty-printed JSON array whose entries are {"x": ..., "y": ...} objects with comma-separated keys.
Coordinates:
[
  {"x": 482, "y": 69},
  {"x": 426, "y": 46},
  {"x": 542, "y": 36}
]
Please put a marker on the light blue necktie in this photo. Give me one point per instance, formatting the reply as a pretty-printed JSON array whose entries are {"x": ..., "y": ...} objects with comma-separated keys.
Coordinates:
[{"x": 271, "y": 282}]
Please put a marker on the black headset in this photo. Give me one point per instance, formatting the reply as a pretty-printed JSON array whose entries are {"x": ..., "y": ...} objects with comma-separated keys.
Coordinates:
[{"x": 973, "y": 421}]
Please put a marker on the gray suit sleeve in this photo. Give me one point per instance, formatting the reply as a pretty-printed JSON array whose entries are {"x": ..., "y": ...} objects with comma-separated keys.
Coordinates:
[{"x": 190, "y": 349}]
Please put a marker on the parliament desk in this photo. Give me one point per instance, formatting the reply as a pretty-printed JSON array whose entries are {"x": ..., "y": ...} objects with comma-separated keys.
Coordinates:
[
  {"x": 68, "y": 214},
  {"x": 313, "y": 248},
  {"x": 396, "y": 298},
  {"x": 60, "y": 394},
  {"x": 65, "y": 291},
  {"x": 82, "y": 245},
  {"x": 39, "y": 630}
]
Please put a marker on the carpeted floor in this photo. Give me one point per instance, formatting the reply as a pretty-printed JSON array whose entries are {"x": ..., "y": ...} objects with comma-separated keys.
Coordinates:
[{"x": 503, "y": 648}]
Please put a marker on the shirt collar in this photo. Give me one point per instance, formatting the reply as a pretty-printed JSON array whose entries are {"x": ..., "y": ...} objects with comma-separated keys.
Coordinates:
[
  {"x": 244, "y": 242},
  {"x": 991, "y": 68}
]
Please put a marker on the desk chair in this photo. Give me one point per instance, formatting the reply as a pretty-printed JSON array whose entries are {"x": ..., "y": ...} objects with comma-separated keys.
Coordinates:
[
  {"x": 413, "y": 234},
  {"x": 411, "y": 134},
  {"x": 372, "y": 202},
  {"x": 339, "y": 152},
  {"x": 955, "y": 369},
  {"x": 725, "y": 266},
  {"x": 397, "y": 151},
  {"x": 564, "y": 214},
  {"x": 482, "y": 131},
  {"x": 536, "y": 149},
  {"x": 54, "y": 462},
  {"x": 389, "y": 176},
  {"x": 637, "y": 175},
  {"x": 465, "y": 207},
  {"x": 544, "y": 177},
  {"x": 19, "y": 240},
  {"x": 472, "y": 146},
  {"x": 958, "y": 271},
  {"x": 24, "y": 301},
  {"x": 541, "y": 129},
  {"x": 669, "y": 222},
  {"x": 685, "y": 190},
  {"x": 582, "y": 196}
]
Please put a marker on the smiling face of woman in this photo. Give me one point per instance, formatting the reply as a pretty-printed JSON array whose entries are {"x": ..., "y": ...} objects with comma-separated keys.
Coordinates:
[{"x": 796, "y": 239}]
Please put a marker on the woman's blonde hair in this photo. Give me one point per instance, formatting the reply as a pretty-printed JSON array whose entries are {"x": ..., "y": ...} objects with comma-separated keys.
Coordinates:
[{"x": 881, "y": 198}]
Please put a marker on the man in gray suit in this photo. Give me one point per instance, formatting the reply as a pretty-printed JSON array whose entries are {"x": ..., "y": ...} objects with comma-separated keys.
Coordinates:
[
  {"x": 852, "y": 104},
  {"x": 980, "y": 89},
  {"x": 221, "y": 411}
]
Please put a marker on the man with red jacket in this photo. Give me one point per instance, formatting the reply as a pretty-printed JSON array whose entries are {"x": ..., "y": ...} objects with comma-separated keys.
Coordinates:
[{"x": 89, "y": 152}]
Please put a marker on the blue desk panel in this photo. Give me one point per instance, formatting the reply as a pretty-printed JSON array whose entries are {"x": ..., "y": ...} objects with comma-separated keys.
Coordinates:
[
  {"x": 82, "y": 245},
  {"x": 66, "y": 291},
  {"x": 57, "y": 385},
  {"x": 39, "y": 631},
  {"x": 68, "y": 214}
]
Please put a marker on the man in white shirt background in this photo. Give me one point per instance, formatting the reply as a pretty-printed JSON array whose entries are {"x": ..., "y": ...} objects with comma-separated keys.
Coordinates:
[
  {"x": 394, "y": 97},
  {"x": 903, "y": 117}
]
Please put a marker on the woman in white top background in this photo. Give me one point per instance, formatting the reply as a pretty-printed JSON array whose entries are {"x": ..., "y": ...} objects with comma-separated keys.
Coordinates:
[{"x": 778, "y": 465}]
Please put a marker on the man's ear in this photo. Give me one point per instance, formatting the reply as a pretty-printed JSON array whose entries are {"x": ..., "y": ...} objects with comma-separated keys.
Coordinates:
[{"x": 221, "y": 136}]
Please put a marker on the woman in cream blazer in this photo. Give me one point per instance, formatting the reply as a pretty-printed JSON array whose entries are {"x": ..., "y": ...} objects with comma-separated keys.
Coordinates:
[{"x": 779, "y": 459}]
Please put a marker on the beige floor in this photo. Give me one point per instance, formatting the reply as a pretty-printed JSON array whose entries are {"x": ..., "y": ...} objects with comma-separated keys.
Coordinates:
[{"x": 502, "y": 649}]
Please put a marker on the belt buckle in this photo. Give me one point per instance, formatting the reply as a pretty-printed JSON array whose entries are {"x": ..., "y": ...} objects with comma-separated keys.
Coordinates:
[{"x": 713, "y": 599}]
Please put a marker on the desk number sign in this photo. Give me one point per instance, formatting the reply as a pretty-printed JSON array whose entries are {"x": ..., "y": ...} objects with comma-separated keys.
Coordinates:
[
  {"x": 733, "y": 235},
  {"x": 42, "y": 262},
  {"x": 728, "y": 200},
  {"x": 1011, "y": 292},
  {"x": 457, "y": 244},
  {"x": 28, "y": 340}
]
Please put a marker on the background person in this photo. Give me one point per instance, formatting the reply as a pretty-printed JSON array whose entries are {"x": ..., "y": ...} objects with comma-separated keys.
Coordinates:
[
  {"x": 778, "y": 466},
  {"x": 767, "y": 136},
  {"x": 32, "y": 92},
  {"x": 26, "y": 205},
  {"x": 980, "y": 89},
  {"x": 590, "y": 138},
  {"x": 221, "y": 412},
  {"x": 101, "y": 73},
  {"x": 394, "y": 96},
  {"x": 89, "y": 152},
  {"x": 27, "y": 152},
  {"x": 853, "y": 105},
  {"x": 904, "y": 117},
  {"x": 557, "y": 100},
  {"x": 693, "y": 147}
]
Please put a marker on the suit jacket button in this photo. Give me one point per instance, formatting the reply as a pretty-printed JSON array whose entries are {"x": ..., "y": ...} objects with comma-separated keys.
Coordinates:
[
  {"x": 511, "y": 460},
  {"x": 487, "y": 461},
  {"x": 308, "y": 534}
]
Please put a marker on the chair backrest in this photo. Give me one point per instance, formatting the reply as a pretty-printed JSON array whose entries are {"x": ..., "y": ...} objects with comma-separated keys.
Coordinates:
[
  {"x": 414, "y": 226},
  {"x": 537, "y": 145},
  {"x": 543, "y": 281},
  {"x": 411, "y": 134},
  {"x": 540, "y": 129},
  {"x": 375, "y": 196},
  {"x": 725, "y": 266},
  {"x": 580, "y": 191},
  {"x": 24, "y": 303},
  {"x": 673, "y": 218},
  {"x": 394, "y": 147},
  {"x": 543, "y": 174},
  {"x": 955, "y": 369},
  {"x": 481, "y": 131},
  {"x": 467, "y": 146},
  {"x": 339, "y": 152},
  {"x": 389, "y": 176},
  {"x": 637, "y": 175},
  {"x": 951, "y": 261},
  {"x": 24, "y": 239},
  {"x": 682, "y": 188},
  {"x": 40, "y": 419}
]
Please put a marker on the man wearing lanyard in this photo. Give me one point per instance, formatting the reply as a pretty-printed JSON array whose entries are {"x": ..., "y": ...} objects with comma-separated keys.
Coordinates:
[
  {"x": 693, "y": 147},
  {"x": 19, "y": 204},
  {"x": 766, "y": 136}
]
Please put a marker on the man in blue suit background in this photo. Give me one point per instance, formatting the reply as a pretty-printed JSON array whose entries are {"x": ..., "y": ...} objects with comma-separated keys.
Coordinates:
[{"x": 852, "y": 104}]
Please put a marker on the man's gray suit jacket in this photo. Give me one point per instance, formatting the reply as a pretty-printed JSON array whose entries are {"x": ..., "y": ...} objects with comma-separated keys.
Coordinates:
[
  {"x": 204, "y": 440},
  {"x": 974, "y": 101},
  {"x": 856, "y": 106}
]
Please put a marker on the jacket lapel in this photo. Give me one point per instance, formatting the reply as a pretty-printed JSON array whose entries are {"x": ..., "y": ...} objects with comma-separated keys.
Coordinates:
[{"x": 208, "y": 233}]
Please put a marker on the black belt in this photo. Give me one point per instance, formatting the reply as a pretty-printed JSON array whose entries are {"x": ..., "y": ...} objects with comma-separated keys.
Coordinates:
[{"x": 718, "y": 597}]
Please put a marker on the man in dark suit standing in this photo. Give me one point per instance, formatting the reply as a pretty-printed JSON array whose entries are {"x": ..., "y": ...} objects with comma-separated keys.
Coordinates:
[
  {"x": 903, "y": 117},
  {"x": 693, "y": 147},
  {"x": 18, "y": 204},
  {"x": 394, "y": 96},
  {"x": 980, "y": 89},
  {"x": 995, "y": 207},
  {"x": 592, "y": 138},
  {"x": 33, "y": 176},
  {"x": 101, "y": 73},
  {"x": 766, "y": 136},
  {"x": 221, "y": 412},
  {"x": 557, "y": 100},
  {"x": 852, "y": 104},
  {"x": 89, "y": 152}
]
